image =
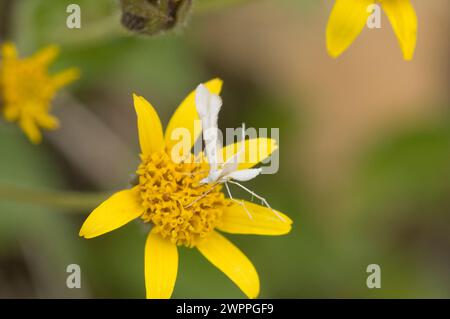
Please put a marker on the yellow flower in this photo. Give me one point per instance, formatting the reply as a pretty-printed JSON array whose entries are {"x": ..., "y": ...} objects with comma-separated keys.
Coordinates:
[
  {"x": 26, "y": 89},
  {"x": 349, "y": 17},
  {"x": 168, "y": 195}
]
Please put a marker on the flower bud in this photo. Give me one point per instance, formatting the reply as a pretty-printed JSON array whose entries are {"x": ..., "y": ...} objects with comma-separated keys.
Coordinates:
[{"x": 154, "y": 16}]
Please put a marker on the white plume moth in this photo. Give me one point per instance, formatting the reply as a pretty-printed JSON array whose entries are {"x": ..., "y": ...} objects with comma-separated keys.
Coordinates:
[{"x": 208, "y": 107}]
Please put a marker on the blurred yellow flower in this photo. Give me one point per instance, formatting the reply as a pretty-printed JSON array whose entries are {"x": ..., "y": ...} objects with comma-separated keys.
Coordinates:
[
  {"x": 182, "y": 211},
  {"x": 349, "y": 17},
  {"x": 26, "y": 89}
]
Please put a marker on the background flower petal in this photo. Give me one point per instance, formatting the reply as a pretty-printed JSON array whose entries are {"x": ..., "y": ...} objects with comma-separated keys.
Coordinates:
[
  {"x": 31, "y": 130},
  {"x": 65, "y": 77},
  {"x": 161, "y": 266},
  {"x": 403, "y": 18},
  {"x": 116, "y": 211},
  {"x": 46, "y": 56},
  {"x": 264, "y": 221},
  {"x": 9, "y": 50},
  {"x": 232, "y": 262},
  {"x": 346, "y": 22},
  {"x": 149, "y": 126}
]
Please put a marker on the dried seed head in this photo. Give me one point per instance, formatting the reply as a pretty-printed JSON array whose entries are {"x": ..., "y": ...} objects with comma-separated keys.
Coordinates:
[{"x": 154, "y": 16}]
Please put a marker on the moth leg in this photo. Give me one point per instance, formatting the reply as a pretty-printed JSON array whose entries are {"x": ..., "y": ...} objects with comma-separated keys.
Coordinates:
[
  {"x": 194, "y": 173},
  {"x": 201, "y": 196},
  {"x": 237, "y": 201},
  {"x": 262, "y": 199}
]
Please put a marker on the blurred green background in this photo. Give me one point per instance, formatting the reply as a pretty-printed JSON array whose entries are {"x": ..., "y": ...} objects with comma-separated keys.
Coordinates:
[{"x": 364, "y": 149}]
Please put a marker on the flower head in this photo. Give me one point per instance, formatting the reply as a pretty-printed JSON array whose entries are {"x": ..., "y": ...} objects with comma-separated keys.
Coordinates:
[
  {"x": 349, "y": 17},
  {"x": 27, "y": 90},
  {"x": 181, "y": 210}
]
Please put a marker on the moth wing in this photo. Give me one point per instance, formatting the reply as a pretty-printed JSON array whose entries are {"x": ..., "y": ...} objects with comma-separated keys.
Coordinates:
[
  {"x": 245, "y": 175},
  {"x": 208, "y": 106},
  {"x": 230, "y": 166},
  {"x": 215, "y": 104},
  {"x": 201, "y": 100}
]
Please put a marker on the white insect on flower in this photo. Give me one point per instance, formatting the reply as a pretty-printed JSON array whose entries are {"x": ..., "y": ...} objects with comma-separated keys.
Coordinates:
[{"x": 208, "y": 107}]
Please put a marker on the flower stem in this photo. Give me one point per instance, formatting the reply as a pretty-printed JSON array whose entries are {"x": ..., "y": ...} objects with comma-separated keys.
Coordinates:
[{"x": 70, "y": 201}]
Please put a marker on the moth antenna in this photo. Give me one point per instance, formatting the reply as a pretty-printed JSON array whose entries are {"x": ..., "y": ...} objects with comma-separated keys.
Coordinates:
[{"x": 243, "y": 141}]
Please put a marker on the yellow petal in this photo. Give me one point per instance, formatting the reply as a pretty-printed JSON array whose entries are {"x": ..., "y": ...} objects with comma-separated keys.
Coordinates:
[
  {"x": 45, "y": 56},
  {"x": 65, "y": 77},
  {"x": 346, "y": 22},
  {"x": 186, "y": 115},
  {"x": 149, "y": 126},
  {"x": 113, "y": 213},
  {"x": 263, "y": 220},
  {"x": 232, "y": 262},
  {"x": 9, "y": 51},
  {"x": 11, "y": 112},
  {"x": 161, "y": 266},
  {"x": 47, "y": 121},
  {"x": 255, "y": 151},
  {"x": 403, "y": 18},
  {"x": 30, "y": 128}
]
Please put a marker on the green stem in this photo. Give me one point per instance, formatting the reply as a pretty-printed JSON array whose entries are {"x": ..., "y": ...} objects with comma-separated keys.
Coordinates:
[
  {"x": 110, "y": 26},
  {"x": 71, "y": 201}
]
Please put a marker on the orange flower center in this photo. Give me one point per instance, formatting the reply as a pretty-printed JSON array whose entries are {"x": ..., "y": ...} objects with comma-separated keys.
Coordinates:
[{"x": 180, "y": 208}]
